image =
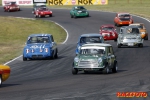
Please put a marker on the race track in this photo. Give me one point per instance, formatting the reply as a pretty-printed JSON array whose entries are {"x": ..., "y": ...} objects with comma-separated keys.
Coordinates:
[{"x": 53, "y": 80}]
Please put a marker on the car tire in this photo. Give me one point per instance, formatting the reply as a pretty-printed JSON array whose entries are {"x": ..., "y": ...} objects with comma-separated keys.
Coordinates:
[
  {"x": 86, "y": 72},
  {"x": 87, "y": 15},
  {"x": 56, "y": 54},
  {"x": 8, "y": 10},
  {"x": 146, "y": 38},
  {"x": 119, "y": 45},
  {"x": 39, "y": 16},
  {"x": 0, "y": 80},
  {"x": 75, "y": 16},
  {"x": 24, "y": 58},
  {"x": 19, "y": 9},
  {"x": 140, "y": 45},
  {"x": 71, "y": 16},
  {"x": 115, "y": 67},
  {"x": 106, "y": 70},
  {"x": 115, "y": 40},
  {"x": 117, "y": 25},
  {"x": 50, "y": 15},
  {"x": 74, "y": 71},
  {"x": 35, "y": 15}
]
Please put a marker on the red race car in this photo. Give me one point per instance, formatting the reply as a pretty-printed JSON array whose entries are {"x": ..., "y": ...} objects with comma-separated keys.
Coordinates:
[
  {"x": 123, "y": 19},
  {"x": 43, "y": 12},
  {"x": 109, "y": 32},
  {"x": 11, "y": 6}
]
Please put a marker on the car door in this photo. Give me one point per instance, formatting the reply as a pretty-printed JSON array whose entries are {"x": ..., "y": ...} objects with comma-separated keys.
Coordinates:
[
  {"x": 54, "y": 45},
  {"x": 110, "y": 56}
]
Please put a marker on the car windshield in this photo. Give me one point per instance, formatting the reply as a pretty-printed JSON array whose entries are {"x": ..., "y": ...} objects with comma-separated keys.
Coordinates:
[
  {"x": 91, "y": 40},
  {"x": 132, "y": 30},
  {"x": 13, "y": 3},
  {"x": 107, "y": 28},
  {"x": 139, "y": 26},
  {"x": 79, "y": 8},
  {"x": 38, "y": 39},
  {"x": 43, "y": 9},
  {"x": 92, "y": 51},
  {"x": 124, "y": 15}
]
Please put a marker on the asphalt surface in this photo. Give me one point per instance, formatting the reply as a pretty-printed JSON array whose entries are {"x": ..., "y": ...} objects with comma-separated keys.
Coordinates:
[{"x": 53, "y": 80}]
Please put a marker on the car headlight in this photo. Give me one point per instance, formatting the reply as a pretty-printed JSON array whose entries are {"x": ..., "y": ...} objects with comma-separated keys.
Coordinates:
[
  {"x": 99, "y": 60},
  {"x": 46, "y": 49},
  {"x": 27, "y": 50},
  {"x": 138, "y": 37},
  {"x": 125, "y": 38},
  {"x": 76, "y": 59},
  {"x": 143, "y": 32},
  {"x": 41, "y": 12}
]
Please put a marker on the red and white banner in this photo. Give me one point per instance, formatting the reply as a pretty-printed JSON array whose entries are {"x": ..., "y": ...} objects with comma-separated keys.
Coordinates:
[{"x": 19, "y": 2}]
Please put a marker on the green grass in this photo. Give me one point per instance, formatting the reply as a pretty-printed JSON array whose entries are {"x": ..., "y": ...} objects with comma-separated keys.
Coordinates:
[{"x": 14, "y": 33}]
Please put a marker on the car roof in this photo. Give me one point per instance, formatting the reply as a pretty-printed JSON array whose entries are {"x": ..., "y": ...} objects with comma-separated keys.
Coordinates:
[
  {"x": 42, "y": 34},
  {"x": 91, "y": 34},
  {"x": 130, "y": 26},
  {"x": 108, "y": 25},
  {"x": 97, "y": 44}
]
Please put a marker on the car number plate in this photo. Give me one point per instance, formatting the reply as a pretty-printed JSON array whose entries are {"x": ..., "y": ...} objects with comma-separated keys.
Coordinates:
[{"x": 130, "y": 44}]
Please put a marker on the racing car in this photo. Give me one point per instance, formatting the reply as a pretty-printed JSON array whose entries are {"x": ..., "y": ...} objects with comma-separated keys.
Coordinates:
[
  {"x": 39, "y": 46},
  {"x": 11, "y": 6},
  {"x": 109, "y": 32},
  {"x": 123, "y": 19},
  {"x": 38, "y": 5},
  {"x": 144, "y": 33},
  {"x": 89, "y": 38},
  {"x": 4, "y": 73},
  {"x": 78, "y": 11},
  {"x": 43, "y": 12}
]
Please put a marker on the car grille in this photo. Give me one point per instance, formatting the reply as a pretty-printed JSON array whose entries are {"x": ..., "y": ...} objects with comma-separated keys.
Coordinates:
[
  {"x": 86, "y": 63},
  {"x": 131, "y": 38},
  {"x": 37, "y": 56},
  {"x": 83, "y": 12}
]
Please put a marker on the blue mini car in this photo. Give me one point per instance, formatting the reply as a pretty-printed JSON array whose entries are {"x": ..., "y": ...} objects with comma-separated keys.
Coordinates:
[
  {"x": 40, "y": 46},
  {"x": 89, "y": 38}
]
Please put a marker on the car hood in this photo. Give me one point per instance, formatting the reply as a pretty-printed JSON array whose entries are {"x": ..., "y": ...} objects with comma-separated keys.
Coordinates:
[
  {"x": 38, "y": 45},
  {"x": 90, "y": 57},
  {"x": 131, "y": 35}
]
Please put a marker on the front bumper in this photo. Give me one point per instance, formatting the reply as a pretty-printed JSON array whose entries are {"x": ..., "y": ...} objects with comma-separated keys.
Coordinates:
[
  {"x": 127, "y": 42},
  {"x": 81, "y": 14},
  {"x": 37, "y": 55},
  {"x": 110, "y": 37},
  {"x": 125, "y": 23}
]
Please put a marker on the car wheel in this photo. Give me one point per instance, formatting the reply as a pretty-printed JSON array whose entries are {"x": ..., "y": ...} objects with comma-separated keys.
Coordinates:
[
  {"x": 0, "y": 80},
  {"x": 8, "y": 10},
  {"x": 71, "y": 16},
  {"x": 39, "y": 16},
  {"x": 106, "y": 70},
  {"x": 75, "y": 16},
  {"x": 35, "y": 15},
  {"x": 115, "y": 40},
  {"x": 117, "y": 25},
  {"x": 56, "y": 54},
  {"x": 146, "y": 38},
  {"x": 19, "y": 9},
  {"x": 85, "y": 71},
  {"x": 140, "y": 45},
  {"x": 115, "y": 67},
  {"x": 24, "y": 58},
  {"x": 74, "y": 71},
  {"x": 50, "y": 15},
  {"x": 119, "y": 45},
  {"x": 88, "y": 15}
]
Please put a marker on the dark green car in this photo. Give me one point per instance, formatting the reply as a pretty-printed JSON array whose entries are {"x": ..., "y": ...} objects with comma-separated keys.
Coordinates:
[
  {"x": 79, "y": 11},
  {"x": 95, "y": 57}
]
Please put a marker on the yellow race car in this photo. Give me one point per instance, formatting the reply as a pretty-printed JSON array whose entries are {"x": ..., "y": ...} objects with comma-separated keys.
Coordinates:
[
  {"x": 4, "y": 73},
  {"x": 142, "y": 28}
]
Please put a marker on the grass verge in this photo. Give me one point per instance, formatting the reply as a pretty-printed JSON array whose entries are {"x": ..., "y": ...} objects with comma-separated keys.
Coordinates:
[{"x": 14, "y": 33}]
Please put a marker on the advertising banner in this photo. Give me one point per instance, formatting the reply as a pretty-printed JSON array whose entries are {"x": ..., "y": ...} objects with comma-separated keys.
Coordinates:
[
  {"x": 78, "y": 2},
  {"x": 19, "y": 2}
]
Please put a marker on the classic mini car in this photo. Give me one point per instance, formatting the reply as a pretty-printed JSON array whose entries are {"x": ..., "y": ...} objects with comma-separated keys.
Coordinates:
[
  {"x": 43, "y": 12},
  {"x": 109, "y": 32},
  {"x": 129, "y": 36},
  {"x": 79, "y": 11},
  {"x": 11, "y": 6},
  {"x": 144, "y": 33},
  {"x": 40, "y": 46},
  {"x": 4, "y": 73},
  {"x": 95, "y": 57},
  {"x": 123, "y": 19},
  {"x": 89, "y": 38},
  {"x": 37, "y": 6}
]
